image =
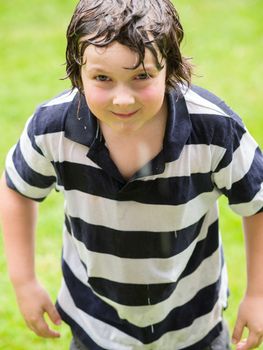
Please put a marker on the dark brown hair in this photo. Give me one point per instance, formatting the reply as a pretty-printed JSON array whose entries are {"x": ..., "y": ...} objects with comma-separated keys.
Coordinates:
[{"x": 137, "y": 24}]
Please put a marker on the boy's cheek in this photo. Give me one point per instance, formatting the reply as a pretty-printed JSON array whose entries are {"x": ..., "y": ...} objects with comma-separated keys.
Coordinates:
[
  {"x": 152, "y": 93},
  {"x": 96, "y": 98}
]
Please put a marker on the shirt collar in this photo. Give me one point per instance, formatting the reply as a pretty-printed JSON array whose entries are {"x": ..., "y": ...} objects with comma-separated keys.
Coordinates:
[
  {"x": 178, "y": 126},
  {"x": 81, "y": 126}
]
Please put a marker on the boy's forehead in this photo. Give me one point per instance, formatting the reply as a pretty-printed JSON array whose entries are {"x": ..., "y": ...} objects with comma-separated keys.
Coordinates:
[{"x": 116, "y": 53}]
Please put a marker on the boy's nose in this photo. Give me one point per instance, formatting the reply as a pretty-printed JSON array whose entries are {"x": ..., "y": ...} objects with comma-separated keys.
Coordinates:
[{"x": 123, "y": 97}]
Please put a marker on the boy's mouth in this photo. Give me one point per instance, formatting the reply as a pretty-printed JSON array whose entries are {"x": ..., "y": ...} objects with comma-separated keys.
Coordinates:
[{"x": 125, "y": 115}]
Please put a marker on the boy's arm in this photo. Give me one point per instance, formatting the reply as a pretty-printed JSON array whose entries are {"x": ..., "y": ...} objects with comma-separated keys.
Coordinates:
[
  {"x": 250, "y": 313},
  {"x": 18, "y": 218}
]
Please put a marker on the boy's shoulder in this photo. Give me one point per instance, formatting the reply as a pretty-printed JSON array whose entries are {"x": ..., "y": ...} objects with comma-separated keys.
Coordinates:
[
  {"x": 62, "y": 99},
  {"x": 210, "y": 120},
  {"x": 51, "y": 115},
  {"x": 57, "y": 104},
  {"x": 66, "y": 113},
  {"x": 200, "y": 101}
]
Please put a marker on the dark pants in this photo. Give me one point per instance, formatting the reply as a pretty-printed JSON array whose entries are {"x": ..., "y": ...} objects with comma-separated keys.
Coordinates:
[
  {"x": 222, "y": 342},
  {"x": 77, "y": 345}
]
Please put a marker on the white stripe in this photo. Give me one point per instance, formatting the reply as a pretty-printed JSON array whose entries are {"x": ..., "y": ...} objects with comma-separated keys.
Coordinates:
[
  {"x": 34, "y": 159},
  {"x": 134, "y": 216},
  {"x": 22, "y": 186},
  {"x": 67, "y": 97},
  {"x": 142, "y": 271},
  {"x": 250, "y": 208},
  {"x": 193, "y": 159},
  {"x": 199, "y": 105},
  {"x": 101, "y": 333},
  {"x": 111, "y": 338},
  {"x": 242, "y": 160},
  {"x": 58, "y": 148}
]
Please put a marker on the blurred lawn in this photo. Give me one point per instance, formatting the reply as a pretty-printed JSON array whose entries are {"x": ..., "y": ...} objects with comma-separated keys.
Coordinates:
[{"x": 225, "y": 41}]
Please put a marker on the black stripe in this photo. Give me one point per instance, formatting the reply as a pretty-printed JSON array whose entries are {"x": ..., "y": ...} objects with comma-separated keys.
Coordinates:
[
  {"x": 131, "y": 294},
  {"x": 244, "y": 190},
  {"x": 232, "y": 144},
  {"x": 167, "y": 191},
  {"x": 85, "y": 178},
  {"x": 50, "y": 119},
  {"x": 11, "y": 185},
  {"x": 164, "y": 191},
  {"x": 215, "y": 130},
  {"x": 31, "y": 135},
  {"x": 178, "y": 318},
  {"x": 30, "y": 176},
  {"x": 124, "y": 244},
  {"x": 209, "y": 129},
  {"x": 203, "y": 249}
]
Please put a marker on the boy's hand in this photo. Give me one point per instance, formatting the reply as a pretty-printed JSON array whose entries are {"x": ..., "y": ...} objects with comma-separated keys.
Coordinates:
[
  {"x": 250, "y": 315},
  {"x": 34, "y": 302}
]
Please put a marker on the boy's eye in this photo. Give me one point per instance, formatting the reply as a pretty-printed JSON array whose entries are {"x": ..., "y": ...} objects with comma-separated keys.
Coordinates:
[
  {"x": 102, "y": 77},
  {"x": 142, "y": 76}
]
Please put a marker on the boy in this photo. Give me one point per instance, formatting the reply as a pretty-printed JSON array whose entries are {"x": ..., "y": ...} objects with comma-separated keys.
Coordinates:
[{"x": 141, "y": 157}]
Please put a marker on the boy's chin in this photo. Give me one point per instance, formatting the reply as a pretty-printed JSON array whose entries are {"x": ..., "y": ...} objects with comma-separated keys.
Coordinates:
[{"x": 124, "y": 127}]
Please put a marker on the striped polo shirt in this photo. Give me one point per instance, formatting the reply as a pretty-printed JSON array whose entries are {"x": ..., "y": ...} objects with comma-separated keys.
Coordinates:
[{"x": 142, "y": 263}]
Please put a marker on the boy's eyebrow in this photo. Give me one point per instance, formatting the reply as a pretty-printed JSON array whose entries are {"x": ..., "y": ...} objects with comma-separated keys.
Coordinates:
[
  {"x": 98, "y": 68},
  {"x": 144, "y": 67}
]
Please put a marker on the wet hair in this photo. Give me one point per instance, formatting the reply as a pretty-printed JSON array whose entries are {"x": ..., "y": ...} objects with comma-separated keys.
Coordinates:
[{"x": 137, "y": 24}]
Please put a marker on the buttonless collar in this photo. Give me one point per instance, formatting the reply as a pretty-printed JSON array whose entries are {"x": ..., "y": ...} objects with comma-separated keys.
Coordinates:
[
  {"x": 178, "y": 126},
  {"x": 81, "y": 126}
]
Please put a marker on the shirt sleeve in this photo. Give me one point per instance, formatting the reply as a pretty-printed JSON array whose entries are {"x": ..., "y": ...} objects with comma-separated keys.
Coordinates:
[
  {"x": 27, "y": 170},
  {"x": 239, "y": 174}
]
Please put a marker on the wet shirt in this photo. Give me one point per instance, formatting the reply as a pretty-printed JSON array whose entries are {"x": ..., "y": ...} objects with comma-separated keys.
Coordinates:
[{"x": 143, "y": 265}]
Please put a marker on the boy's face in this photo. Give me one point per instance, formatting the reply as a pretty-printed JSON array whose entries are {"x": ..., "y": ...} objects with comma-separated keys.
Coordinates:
[{"x": 124, "y": 99}]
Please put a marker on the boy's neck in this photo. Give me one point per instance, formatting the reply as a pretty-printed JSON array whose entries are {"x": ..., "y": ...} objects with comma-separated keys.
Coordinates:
[{"x": 130, "y": 152}]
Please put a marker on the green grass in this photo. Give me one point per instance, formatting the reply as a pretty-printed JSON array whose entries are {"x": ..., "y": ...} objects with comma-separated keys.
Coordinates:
[{"x": 225, "y": 41}]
